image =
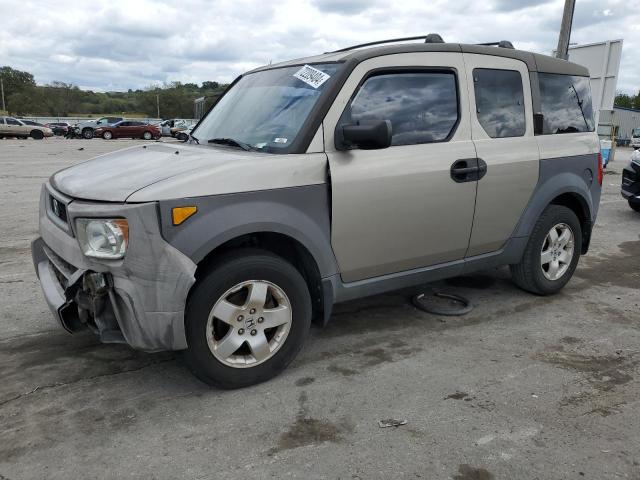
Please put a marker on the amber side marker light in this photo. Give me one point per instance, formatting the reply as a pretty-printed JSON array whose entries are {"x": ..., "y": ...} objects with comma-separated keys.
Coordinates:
[{"x": 180, "y": 214}]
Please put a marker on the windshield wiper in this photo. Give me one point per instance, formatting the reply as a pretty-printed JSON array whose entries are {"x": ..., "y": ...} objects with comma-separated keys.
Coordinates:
[{"x": 232, "y": 143}]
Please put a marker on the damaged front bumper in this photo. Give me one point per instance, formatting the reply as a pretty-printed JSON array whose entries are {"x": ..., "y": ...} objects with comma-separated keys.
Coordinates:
[{"x": 139, "y": 299}]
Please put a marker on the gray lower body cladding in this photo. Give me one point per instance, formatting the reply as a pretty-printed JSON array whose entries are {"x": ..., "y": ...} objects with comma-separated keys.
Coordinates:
[
  {"x": 300, "y": 213},
  {"x": 143, "y": 297}
]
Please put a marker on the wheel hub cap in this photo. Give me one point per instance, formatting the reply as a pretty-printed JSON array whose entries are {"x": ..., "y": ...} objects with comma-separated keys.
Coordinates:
[
  {"x": 557, "y": 251},
  {"x": 249, "y": 323}
]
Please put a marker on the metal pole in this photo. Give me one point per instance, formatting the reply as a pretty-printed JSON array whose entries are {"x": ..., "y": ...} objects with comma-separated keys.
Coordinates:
[
  {"x": 565, "y": 30},
  {"x": 2, "y": 89},
  {"x": 158, "y": 104}
]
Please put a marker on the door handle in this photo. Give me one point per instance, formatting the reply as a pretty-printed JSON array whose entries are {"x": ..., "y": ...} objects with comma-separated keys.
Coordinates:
[{"x": 468, "y": 170}]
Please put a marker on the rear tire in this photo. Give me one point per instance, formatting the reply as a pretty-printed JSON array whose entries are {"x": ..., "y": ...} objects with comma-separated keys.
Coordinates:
[
  {"x": 147, "y": 135},
  {"x": 534, "y": 276},
  {"x": 36, "y": 135},
  {"x": 229, "y": 283},
  {"x": 635, "y": 205}
]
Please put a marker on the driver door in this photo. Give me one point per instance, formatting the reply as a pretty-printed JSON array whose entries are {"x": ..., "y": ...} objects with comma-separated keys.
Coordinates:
[{"x": 399, "y": 208}]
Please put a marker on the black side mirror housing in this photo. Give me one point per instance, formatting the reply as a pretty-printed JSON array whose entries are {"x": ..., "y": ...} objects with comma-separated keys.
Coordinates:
[
  {"x": 538, "y": 124},
  {"x": 369, "y": 136}
]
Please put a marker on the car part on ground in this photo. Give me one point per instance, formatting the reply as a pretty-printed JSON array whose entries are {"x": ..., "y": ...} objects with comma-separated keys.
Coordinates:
[{"x": 442, "y": 303}]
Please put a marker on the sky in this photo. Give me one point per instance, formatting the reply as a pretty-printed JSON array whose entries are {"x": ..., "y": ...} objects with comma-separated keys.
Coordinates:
[{"x": 122, "y": 44}]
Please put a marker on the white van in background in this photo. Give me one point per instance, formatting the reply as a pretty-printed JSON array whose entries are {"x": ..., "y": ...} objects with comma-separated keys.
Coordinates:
[{"x": 635, "y": 138}]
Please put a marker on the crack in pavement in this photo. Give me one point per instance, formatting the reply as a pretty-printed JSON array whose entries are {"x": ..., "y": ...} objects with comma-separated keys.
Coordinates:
[{"x": 50, "y": 386}]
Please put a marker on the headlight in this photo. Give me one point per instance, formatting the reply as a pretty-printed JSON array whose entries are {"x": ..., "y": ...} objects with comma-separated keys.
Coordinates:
[{"x": 103, "y": 238}]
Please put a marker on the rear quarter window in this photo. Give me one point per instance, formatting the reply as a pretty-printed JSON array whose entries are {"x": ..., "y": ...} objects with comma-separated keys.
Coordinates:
[
  {"x": 566, "y": 104},
  {"x": 500, "y": 102}
]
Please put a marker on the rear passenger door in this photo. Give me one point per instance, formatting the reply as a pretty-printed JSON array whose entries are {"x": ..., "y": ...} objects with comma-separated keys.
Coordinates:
[
  {"x": 122, "y": 130},
  {"x": 503, "y": 134},
  {"x": 399, "y": 208}
]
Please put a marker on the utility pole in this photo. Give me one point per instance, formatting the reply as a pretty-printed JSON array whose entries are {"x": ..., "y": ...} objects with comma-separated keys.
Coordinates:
[
  {"x": 565, "y": 30},
  {"x": 158, "y": 104},
  {"x": 2, "y": 90}
]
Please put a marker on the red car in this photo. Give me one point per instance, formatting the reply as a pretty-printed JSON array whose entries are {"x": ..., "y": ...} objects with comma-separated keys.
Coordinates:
[{"x": 128, "y": 129}]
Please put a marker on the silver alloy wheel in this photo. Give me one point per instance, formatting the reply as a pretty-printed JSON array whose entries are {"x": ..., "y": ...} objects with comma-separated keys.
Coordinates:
[
  {"x": 557, "y": 251},
  {"x": 249, "y": 323},
  {"x": 107, "y": 135},
  {"x": 146, "y": 135}
]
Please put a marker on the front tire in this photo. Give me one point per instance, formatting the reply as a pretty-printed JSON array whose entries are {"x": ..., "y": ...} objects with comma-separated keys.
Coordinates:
[
  {"x": 147, "y": 135},
  {"x": 87, "y": 133},
  {"x": 552, "y": 253},
  {"x": 107, "y": 135},
  {"x": 246, "y": 319},
  {"x": 36, "y": 135}
]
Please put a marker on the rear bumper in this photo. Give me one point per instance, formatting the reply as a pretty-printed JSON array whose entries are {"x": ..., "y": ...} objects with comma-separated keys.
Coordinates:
[{"x": 139, "y": 300}]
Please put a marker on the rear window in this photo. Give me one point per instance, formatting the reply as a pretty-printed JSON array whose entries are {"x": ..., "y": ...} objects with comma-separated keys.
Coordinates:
[
  {"x": 500, "y": 102},
  {"x": 566, "y": 104}
]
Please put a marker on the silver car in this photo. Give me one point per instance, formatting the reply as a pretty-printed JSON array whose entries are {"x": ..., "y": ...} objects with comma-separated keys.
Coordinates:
[
  {"x": 14, "y": 127},
  {"x": 322, "y": 180}
]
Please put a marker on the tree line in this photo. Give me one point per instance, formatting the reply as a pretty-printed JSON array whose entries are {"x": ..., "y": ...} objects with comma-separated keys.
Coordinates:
[
  {"x": 59, "y": 99},
  {"x": 628, "y": 101}
]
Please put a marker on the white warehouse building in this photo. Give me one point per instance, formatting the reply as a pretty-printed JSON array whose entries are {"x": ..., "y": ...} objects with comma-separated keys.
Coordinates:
[{"x": 625, "y": 119}]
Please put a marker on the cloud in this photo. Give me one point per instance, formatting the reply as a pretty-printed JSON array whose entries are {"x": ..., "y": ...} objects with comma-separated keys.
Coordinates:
[{"x": 124, "y": 44}]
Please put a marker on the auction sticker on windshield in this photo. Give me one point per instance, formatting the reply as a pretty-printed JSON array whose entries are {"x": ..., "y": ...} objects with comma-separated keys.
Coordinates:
[{"x": 311, "y": 76}]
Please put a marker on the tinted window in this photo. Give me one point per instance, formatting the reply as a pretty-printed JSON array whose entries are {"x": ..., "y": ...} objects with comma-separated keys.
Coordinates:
[
  {"x": 566, "y": 103},
  {"x": 13, "y": 121},
  {"x": 422, "y": 106},
  {"x": 500, "y": 102}
]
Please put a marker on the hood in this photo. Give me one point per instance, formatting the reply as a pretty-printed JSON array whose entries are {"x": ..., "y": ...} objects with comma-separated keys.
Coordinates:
[{"x": 164, "y": 171}]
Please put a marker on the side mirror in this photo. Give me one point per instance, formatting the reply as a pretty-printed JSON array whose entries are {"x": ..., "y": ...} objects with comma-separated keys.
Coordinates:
[
  {"x": 538, "y": 124},
  {"x": 370, "y": 136}
]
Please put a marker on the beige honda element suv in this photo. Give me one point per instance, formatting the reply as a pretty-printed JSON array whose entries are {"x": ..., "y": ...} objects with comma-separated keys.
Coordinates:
[{"x": 321, "y": 180}]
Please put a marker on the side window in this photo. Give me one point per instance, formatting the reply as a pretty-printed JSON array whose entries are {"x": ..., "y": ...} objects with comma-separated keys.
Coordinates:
[
  {"x": 500, "y": 102},
  {"x": 566, "y": 104},
  {"x": 12, "y": 121},
  {"x": 422, "y": 106}
]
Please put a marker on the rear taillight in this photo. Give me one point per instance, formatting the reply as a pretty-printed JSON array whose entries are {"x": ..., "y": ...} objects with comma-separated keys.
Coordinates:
[{"x": 600, "y": 173}]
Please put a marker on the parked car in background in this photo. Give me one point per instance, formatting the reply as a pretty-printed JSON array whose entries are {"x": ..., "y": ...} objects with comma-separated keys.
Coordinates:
[
  {"x": 172, "y": 126},
  {"x": 88, "y": 126},
  {"x": 361, "y": 172},
  {"x": 128, "y": 129},
  {"x": 183, "y": 136},
  {"x": 12, "y": 127},
  {"x": 31, "y": 123},
  {"x": 635, "y": 139},
  {"x": 59, "y": 128},
  {"x": 631, "y": 182}
]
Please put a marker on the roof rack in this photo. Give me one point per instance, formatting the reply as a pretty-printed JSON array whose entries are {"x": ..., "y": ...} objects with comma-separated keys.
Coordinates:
[
  {"x": 500, "y": 44},
  {"x": 431, "y": 38}
]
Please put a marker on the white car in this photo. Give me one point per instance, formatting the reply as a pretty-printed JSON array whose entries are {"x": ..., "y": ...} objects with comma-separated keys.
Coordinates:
[{"x": 183, "y": 135}]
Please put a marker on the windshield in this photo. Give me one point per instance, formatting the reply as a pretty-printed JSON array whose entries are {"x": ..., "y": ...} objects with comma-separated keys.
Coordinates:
[{"x": 266, "y": 110}]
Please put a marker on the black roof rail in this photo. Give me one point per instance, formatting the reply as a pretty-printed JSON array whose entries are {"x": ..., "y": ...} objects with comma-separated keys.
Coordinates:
[
  {"x": 500, "y": 44},
  {"x": 431, "y": 38}
]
